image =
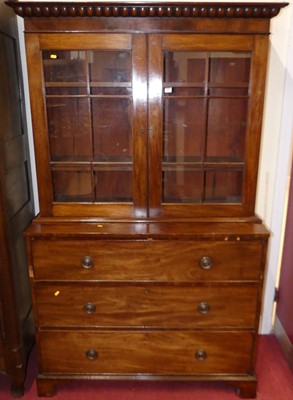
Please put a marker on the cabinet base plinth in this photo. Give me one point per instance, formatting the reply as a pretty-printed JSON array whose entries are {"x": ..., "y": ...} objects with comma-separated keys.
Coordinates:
[{"x": 246, "y": 387}]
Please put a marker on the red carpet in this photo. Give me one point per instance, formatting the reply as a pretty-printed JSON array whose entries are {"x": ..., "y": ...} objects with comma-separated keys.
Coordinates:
[{"x": 275, "y": 383}]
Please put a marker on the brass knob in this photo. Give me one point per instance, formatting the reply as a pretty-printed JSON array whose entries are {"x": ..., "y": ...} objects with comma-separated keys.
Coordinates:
[
  {"x": 206, "y": 262},
  {"x": 87, "y": 262},
  {"x": 201, "y": 355},
  {"x": 91, "y": 354},
  {"x": 89, "y": 308},
  {"x": 203, "y": 307}
]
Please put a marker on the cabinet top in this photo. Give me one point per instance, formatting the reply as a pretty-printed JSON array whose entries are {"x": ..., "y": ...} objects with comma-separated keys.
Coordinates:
[{"x": 150, "y": 9}]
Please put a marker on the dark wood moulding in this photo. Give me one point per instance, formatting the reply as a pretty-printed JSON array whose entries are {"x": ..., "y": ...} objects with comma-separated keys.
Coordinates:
[{"x": 149, "y": 9}]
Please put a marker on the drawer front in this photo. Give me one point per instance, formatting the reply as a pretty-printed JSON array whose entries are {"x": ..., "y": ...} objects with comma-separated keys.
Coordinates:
[
  {"x": 105, "y": 305},
  {"x": 146, "y": 260},
  {"x": 148, "y": 352}
]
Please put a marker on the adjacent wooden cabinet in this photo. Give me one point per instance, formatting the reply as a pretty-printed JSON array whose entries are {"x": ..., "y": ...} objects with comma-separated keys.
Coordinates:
[
  {"x": 16, "y": 213},
  {"x": 147, "y": 259}
]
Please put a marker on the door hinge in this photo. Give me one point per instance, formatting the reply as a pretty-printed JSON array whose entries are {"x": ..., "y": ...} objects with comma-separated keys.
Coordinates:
[{"x": 277, "y": 295}]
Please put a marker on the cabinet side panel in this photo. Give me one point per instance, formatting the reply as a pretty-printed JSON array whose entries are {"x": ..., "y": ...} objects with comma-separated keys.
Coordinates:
[
  {"x": 255, "y": 116},
  {"x": 40, "y": 129}
]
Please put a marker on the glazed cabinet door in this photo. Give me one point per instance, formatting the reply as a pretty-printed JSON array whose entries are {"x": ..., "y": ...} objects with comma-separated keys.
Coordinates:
[
  {"x": 147, "y": 125},
  {"x": 90, "y": 129},
  {"x": 205, "y": 101}
]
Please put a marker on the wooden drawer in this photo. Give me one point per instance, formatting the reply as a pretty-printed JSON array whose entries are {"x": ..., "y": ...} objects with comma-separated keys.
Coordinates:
[
  {"x": 146, "y": 260},
  {"x": 169, "y": 305},
  {"x": 148, "y": 352}
]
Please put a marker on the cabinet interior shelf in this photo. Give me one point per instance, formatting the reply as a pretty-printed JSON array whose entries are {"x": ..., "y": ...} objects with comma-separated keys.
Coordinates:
[{"x": 86, "y": 84}]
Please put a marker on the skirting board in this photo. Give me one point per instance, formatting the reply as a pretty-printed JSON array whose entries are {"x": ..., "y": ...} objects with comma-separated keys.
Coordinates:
[{"x": 284, "y": 341}]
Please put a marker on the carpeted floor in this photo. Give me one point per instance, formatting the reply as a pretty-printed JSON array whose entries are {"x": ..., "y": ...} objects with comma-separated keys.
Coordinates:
[{"x": 275, "y": 383}]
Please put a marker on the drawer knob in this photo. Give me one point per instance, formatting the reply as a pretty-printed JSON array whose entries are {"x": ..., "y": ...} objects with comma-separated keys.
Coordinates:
[
  {"x": 91, "y": 354},
  {"x": 87, "y": 262},
  {"x": 203, "y": 307},
  {"x": 206, "y": 262},
  {"x": 89, "y": 308},
  {"x": 201, "y": 354}
]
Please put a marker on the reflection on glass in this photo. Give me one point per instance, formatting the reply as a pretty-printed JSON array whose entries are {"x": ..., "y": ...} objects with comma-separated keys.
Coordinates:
[
  {"x": 110, "y": 66},
  {"x": 64, "y": 66},
  {"x": 72, "y": 186},
  {"x": 226, "y": 128},
  {"x": 113, "y": 185},
  {"x": 181, "y": 185},
  {"x": 224, "y": 186},
  {"x": 112, "y": 129},
  {"x": 68, "y": 124},
  {"x": 184, "y": 66},
  {"x": 229, "y": 67},
  {"x": 184, "y": 125}
]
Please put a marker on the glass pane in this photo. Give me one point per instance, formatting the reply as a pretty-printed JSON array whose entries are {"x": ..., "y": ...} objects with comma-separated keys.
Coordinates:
[
  {"x": 223, "y": 186},
  {"x": 64, "y": 66},
  {"x": 69, "y": 128},
  {"x": 113, "y": 185},
  {"x": 229, "y": 67},
  {"x": 206, "y": 96},
  {"x": 184, "y": 66},
  {"x": 72, "y": 186},
  {"x": 184, "y": 127},
  {"x": 89, "y": 112},
  {"x": 112, "y": 129},
  {"x": 181, "y": 185},
  {"x": 226, "y": 128},
  {"x": 110, "y": 66}
]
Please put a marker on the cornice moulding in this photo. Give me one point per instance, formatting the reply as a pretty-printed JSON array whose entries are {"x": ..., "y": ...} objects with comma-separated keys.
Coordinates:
[{"x": 148, "y": 9}]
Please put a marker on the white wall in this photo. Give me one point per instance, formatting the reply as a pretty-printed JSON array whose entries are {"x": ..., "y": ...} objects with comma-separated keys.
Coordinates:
[
  {"x": 276, "y": 146},
  {"x": 276, "y": 151}
]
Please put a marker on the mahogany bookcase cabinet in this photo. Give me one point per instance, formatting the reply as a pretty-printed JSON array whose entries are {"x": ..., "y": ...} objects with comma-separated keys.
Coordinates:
[{"x": 147, "y": 259}]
